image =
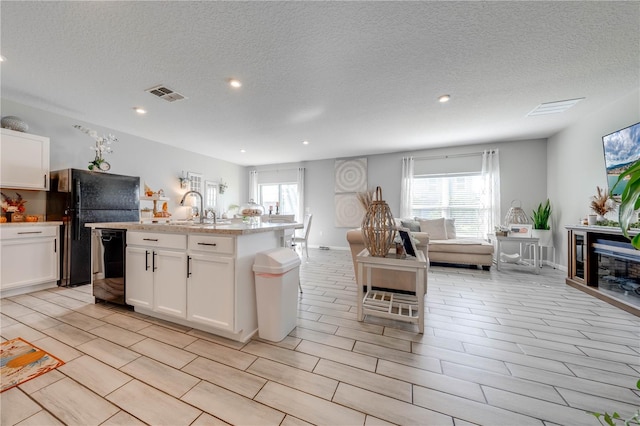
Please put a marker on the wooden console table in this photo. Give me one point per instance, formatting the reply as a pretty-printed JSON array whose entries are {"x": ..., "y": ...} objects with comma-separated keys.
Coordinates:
[
  {"x": 387, "y": 304},
  {"x": 602, "y": 263}
]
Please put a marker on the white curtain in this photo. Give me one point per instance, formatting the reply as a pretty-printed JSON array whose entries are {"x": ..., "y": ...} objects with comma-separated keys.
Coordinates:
[
  {"x": 491, "y": 190},
  {"x": 406, "y": 189},
  {"x": 300, "y": 214},
  {"x": 253, "y": 185}
]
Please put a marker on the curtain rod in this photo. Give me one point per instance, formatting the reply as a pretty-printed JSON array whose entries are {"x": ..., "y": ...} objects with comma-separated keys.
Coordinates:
[{"x": 439, "y": 157}]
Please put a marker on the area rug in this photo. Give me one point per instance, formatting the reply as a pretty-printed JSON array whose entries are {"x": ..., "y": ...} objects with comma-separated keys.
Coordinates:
[{"x": 22, "y": 361}]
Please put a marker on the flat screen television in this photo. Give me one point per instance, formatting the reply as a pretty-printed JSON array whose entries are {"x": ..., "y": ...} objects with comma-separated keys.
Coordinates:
[{"x": 621, "y": 149}]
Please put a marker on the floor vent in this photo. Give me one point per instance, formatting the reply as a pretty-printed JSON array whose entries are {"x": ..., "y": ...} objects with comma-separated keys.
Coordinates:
[
  {"x": 554, "y": 107},
  {"x": 163, "y": 92}
]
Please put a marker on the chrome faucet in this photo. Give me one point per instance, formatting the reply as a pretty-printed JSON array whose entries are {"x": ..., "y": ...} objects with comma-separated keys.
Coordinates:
[
  {"x": 201, "y": 211},
  {"x": 211, "y": 215}
]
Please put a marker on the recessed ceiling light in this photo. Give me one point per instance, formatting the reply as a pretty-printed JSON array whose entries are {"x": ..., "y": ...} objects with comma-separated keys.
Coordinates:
[
  {"x": 140, "y": 110},
  {"x": 2, "y": 58},
  {"x": 243, "y": 151},
  {"x": 444, "y": 98},
  {"x": 305, "y": 142},
  {"x": 235, "y": 83}
]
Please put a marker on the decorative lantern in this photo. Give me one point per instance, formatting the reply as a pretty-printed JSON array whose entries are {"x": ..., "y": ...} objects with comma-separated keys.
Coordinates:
[
  {"x": 516, "y": 215},
  {"x": 378, "y": 227}
]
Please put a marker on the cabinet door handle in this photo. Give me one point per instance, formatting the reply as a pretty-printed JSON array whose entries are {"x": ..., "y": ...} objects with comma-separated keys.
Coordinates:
[
  {"x": 153, "y": 261},
  {"x": 55, "y": 246},
  {"x": 150, "y": 239},
  {"x": 44, "y": 181},
  {"x": 146, "y": 260},
  {"x": 188, "y": 266},
  {"x": 207, "y": 244},
  {"x": 30, "y": 232}
]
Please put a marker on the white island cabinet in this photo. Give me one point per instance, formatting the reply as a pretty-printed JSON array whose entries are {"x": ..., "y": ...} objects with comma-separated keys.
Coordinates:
[
  {"x": 156, "y": 272},
  {"x": 197, "y": 276},
  {"x": 24, "y": 161},
  {"x": 29, "y": 257},
  {"x": 210, "y": 285}
]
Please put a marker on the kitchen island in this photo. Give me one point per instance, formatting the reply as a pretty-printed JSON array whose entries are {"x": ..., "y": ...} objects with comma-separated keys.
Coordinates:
[{"x": 197, "y": 275}]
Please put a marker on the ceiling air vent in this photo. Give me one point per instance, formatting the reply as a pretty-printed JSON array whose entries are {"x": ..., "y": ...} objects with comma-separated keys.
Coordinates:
[
  {"x": 163, "y": 92},
  {"x": 554, "y": 107}
]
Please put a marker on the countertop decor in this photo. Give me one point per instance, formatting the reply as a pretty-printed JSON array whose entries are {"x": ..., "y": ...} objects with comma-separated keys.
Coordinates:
[{"x": 13, "y": 208}]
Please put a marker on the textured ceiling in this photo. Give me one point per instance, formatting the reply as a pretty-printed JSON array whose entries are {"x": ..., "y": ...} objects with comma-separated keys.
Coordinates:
[{"x": 353, "y": 78}]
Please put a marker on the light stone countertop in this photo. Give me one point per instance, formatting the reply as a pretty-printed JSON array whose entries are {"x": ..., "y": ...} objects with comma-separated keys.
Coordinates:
[
  {"x": 206, "y": 228},
  {"x": 49, "y": 223}
]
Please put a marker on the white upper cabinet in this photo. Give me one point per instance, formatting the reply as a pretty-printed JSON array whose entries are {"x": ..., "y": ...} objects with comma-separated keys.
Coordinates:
[{"x": 24, "y": 161}]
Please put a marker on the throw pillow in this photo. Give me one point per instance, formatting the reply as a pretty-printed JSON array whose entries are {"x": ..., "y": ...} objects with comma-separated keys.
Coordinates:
[
  {"x": 434, "y": 227},
  {"x": 412, "y": 225},
  {"x": 450, "y": 226}
]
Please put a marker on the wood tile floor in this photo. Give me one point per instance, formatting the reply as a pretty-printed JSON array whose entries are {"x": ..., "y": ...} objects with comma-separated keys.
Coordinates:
[{"x": 499, "y": 348}]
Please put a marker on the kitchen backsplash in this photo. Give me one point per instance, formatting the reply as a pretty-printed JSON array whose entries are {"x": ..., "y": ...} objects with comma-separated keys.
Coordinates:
[{"x": 36, "y": 201}]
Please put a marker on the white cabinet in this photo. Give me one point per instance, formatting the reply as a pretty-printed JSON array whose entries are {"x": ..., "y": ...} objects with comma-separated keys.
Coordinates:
[
  {"x": 24, "y": 161},
  {"x": 211, "y": 281},
  {"x": 29, "y": 256},
  {"x": 170, "y": 283},
  {"x": 156, "y": 272},
  {"x": 139, "y": 277}
]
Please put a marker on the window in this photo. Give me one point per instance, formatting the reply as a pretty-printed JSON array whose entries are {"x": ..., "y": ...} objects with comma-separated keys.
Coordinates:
[
  {"x": 454, "y": 196},
  {"x": 210, "y": 195},
  {"x": 285, "y": 194},
  {"x": 195, "y": 181}
]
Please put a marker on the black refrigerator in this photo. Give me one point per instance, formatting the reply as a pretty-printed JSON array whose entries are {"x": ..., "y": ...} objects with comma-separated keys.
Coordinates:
[{"x": 77, "y": 197}]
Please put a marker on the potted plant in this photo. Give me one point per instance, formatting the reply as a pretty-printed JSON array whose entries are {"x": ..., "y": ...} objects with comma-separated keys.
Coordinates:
[
  {"x": 541, "y": 228},
  {"x": 602, "y": 203},
  {"x": 630, "y": 201}
]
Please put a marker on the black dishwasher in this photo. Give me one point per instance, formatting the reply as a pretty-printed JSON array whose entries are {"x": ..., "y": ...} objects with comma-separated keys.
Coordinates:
[{"x": 108, "y": 260}]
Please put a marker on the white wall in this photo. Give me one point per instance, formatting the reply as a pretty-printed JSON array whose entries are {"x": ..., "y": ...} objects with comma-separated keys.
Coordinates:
[
  {"x": 575, "y": 163},
  {"x": 157, "y": 164},
  {"x": 571, "y": 162},
  {"x": 523, "y": 173}
]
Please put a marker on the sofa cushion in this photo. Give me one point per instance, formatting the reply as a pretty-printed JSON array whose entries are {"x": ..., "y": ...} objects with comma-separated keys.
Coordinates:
[
  {"x": 434, "y": 227},
  {"x": 450, "y": 227},
  {"x": 412, "y": 225},
  {"x": 461, "y": 245}
]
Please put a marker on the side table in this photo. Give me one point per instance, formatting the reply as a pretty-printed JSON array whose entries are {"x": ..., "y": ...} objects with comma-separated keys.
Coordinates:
[
  {"x": 520, "y": 240},
  {"x": 387, "y": 304}
]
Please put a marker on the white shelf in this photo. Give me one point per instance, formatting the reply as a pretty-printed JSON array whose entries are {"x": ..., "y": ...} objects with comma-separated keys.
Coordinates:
[
  {"x": 396, "y": 306},
  {"x": 154, "y": 198}
]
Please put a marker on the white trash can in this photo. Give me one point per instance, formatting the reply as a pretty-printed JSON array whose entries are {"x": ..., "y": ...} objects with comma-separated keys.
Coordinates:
[{"x": 277, "y": 274}]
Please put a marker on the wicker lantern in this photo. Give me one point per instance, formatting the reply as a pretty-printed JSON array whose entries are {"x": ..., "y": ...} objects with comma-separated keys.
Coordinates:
[
  {"x": 378, "y": 227},
  {"x": 516, "y": 215}
]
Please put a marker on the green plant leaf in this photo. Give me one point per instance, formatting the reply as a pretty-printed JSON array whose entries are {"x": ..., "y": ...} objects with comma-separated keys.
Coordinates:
[
  {"x": 541, "y": 215},
  {"x": 630, "y": 200}
]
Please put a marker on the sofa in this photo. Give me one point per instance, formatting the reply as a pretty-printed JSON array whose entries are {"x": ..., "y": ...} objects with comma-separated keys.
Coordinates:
[{"x": 438, "y": 241}]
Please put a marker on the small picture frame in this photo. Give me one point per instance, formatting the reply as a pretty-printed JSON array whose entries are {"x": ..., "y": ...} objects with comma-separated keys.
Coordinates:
[
  {"x": 407, "y": 241},
  {"x": 519, "y": 230}
]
